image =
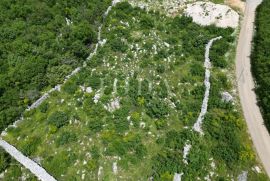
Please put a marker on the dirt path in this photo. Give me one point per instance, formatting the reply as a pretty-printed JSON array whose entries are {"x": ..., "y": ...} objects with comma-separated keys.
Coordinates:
[
  {"x": 258, "y": 132},
  {"x": 37, "y": 170}
]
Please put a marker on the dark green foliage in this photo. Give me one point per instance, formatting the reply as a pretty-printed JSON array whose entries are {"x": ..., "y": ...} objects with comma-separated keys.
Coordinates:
[
  {"x": 4, "y": 160},
  {"x": 94, "y": 82},
  {"x": 70, "y": 87},
  {"x": 157, "y": 108},
  {"x": 181, "y": 21},
  {"x": 146, "y": 22},
  {"x": 44, "y": 107},
  {"x": 226, "y": 133},
  {"x": 95, "y": 152},
  {"x": 95, "y": 125},
  {"x": 65, "y": 138},
  {"x": 218, "y": 51},
  {"x": 38, "y": 49},
  {"x": 161, "y": 69},
  {"x": 58, "y": 119},
  {"x": 63, "y": 160},
  {"x": 197, "y": 69},
  {"x": 118, "y": 45},
  {"x": 167, "y": 161},
  {"x": 30, "y": 146},
  {"x": 260, "y": 59}
]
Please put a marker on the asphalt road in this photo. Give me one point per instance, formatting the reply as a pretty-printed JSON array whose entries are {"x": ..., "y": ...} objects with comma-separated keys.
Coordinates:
[{"x": 253, "y": 117}]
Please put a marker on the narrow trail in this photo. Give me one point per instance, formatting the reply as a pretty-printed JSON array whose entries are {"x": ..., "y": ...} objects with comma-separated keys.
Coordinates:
[
  {"x": 36, "y": 169},
  {"x": 259, "y": 134}
]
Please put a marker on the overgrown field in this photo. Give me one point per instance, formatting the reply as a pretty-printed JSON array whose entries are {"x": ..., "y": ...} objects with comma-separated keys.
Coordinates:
[
  {"x": 128, "y": 114},
  {"x": 260, "y": 59}
]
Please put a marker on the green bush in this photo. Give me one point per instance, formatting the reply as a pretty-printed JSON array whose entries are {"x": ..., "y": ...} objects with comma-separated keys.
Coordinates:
[
  {"x": 197, "y": 69},
  {"x": 157, "y": 108},
  {"x": 58, "y": 119},
  {"x": 70, "y": 87},
  {"x": 4, "y": 160},
  {"x": 44, "y": 107},
  {"x": 95, "y": 125},
  {"x": 30, "y": 146},
  {"x": 160, "y": 124},
  {"x": 65, "y": 138}
]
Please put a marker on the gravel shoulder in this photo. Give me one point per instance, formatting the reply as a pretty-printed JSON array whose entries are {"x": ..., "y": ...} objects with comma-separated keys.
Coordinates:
[{"x": 253, "y": 117}]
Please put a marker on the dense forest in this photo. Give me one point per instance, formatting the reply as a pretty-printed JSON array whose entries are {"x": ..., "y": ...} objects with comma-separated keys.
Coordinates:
[
  {"x": 41, "y": 42},
  {"x": 261, "y": 59}
]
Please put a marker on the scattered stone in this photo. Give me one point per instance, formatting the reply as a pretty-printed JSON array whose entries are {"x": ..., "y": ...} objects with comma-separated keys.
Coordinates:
[
  {"x": 115, "y": 169},
  {"x": 257, "y": 169},
  {"x": 243, "y": 176},
  {"x": 82, "y": 88},
  {"x": 177, "y": 176},
  {"x": 113, "y": 105},
  {"x": 83, "y": 176},
  {"x": 2, "y": 175},
  {"x": 226, "y": 97},
  {"x": 89, "y": 90},
  {"x": 142, "y": 124},
  {"x": 97, "y": 97},
  {"x": 187, "y": 148},
  {"x": 69, "y": 22},
  {"x": 100, "y": 169}
]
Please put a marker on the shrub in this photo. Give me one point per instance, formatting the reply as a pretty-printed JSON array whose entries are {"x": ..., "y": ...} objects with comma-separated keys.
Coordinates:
[
  {"x": 160, "y": 124},
  {"x": 58, "y": 119},
  {"x": 30, "y": 146},
  {"x": 95, "y": 125},
  {"x": 66, "y": 137},
  {"x": 197, "y": 69},
  {"x": 147, "y": 22},
  {"x": 161, "y": 69},
  {"x": 70, "y": 87},
  {"x": 44, "y": 107},
  {"x": 4, "y": 160},
  {"x": 157, "y": 108},
  {"x": 118, "y": 45}
]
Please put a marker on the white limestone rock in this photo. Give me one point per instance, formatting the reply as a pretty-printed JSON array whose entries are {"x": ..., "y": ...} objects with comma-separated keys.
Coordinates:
[
  {"x": 207, "y": 13},
  {"x": 226, "y": 97}
]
